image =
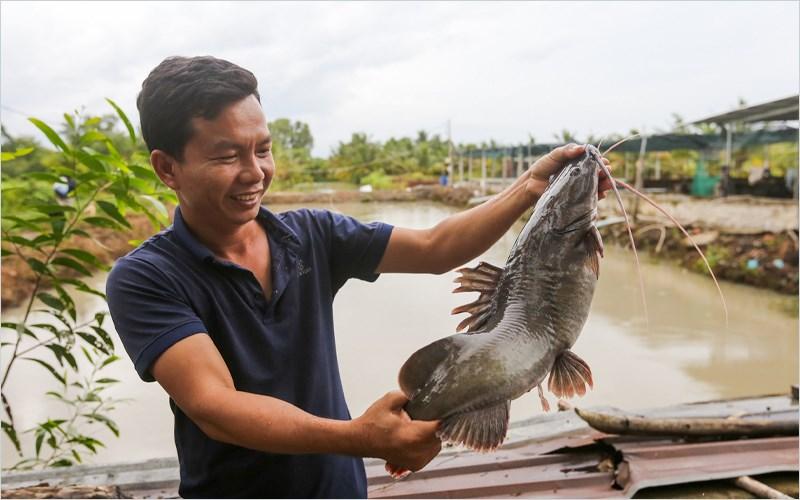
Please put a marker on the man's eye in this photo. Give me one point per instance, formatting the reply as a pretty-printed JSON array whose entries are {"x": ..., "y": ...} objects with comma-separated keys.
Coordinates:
[
  {"x": 263, "y": 153},
  {"x": 226, "y": 159}
]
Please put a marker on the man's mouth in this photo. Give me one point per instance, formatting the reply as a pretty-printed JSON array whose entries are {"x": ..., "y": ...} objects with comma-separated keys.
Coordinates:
[{"x": 247, "y": 197}]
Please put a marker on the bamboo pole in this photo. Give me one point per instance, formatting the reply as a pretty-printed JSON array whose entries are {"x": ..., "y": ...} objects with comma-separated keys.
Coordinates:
[
  {"x": 757, "y": 488},
  {"x": 623, "y": 423}
]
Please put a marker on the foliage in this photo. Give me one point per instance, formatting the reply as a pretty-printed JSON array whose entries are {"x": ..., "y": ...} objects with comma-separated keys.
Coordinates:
[
  {"x": 378, "y": 180},
  {"x": 42, "y": 231}
]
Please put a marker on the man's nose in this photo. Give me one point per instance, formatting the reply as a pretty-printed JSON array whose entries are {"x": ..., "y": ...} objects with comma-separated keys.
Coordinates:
[{"x": 251, "y": 170}]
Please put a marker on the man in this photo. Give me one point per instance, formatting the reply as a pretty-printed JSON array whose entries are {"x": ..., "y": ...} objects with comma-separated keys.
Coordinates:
[{"x": 230, "y": 309}]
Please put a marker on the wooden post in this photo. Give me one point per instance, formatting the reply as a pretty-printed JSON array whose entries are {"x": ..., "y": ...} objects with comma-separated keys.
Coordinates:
[
  {"x": 469, "y": 166},
  {"x": 483, "y": 172},
  {"x": 639, "y": 181},
  {"x": 461, "y": 168}
]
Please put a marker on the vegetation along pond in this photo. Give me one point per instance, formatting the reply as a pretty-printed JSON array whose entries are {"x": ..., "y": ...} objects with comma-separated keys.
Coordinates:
[{"x": 686, "y": 353}]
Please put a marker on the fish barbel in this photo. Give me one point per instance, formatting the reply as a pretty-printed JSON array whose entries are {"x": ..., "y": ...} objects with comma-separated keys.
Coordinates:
[{"x": 524, "y": 323}]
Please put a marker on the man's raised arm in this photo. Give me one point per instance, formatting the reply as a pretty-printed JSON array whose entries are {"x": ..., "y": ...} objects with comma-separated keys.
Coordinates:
[{"x": 466, "y": 235}]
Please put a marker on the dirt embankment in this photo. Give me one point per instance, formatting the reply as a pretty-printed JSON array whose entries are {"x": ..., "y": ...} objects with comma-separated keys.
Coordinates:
[
  {"x": 745, "y": 239},
  {"x": 107, "y": 245}
]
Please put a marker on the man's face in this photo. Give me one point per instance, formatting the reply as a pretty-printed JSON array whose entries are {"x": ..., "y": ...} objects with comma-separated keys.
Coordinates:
[{"x": 227, "y": 166}]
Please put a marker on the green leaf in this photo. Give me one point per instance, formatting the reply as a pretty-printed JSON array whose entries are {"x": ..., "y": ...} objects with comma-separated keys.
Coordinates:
[
  {"x": 44, "y": 176},
  {"x": 6, "y": 253},
  {"x": 101, "y": 222},
  {"x": 92, "y": 340},
  {"x": 109, "y": 360},
  {"x": 157, "y": 205},
  {"x": 50, "y": 300},
  {"x": 90, "y": 161},
  {"x": 145, "y": 173},
  {"x": 62, "y": 353},
  {"x": 124, "y": 119},
  {"x": 64, "y": 462},
  {"x": 85, "y": 257},
  {"x": 49, "y": 368},
  {"x": 51, "y": 135},
  {"x": 77, "y": 456},
  {"x": 83, "y": 287},
  {"x": 112, "y": 211},
  {"x": 39, "y": 439},
  {"x": 37, "y": 265},
  {"x": 112, "y": 426},
  {"x": 92, "y": 136},
  {"x": 105, "y": 336},
  {"x": 72, "y": 264},
  {"x": 107, "y": 381},
  {"x": 51, "y": 209},
  {"x": 12, "y": 435},
  {"x": 69, "y": 120}
]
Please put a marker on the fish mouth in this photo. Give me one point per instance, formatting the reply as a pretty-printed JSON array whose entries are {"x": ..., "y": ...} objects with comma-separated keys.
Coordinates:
[{"x": 583, "y": 221}]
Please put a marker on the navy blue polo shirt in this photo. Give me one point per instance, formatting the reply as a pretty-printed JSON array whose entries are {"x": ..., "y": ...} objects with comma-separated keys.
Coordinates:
[{"x": 172, "y": 286}]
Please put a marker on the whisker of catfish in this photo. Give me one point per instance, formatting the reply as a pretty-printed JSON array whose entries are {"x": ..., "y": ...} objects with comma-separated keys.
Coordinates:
[
  {"x": 630, "y": 235},
  {"x": 621, "y": 141},
  {"x": 686, "y": 233}
]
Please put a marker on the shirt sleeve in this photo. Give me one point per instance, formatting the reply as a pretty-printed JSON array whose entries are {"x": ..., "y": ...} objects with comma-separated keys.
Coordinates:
[
  {"x": 356, "y": 248},
  {"x": 147, "y": 312}
]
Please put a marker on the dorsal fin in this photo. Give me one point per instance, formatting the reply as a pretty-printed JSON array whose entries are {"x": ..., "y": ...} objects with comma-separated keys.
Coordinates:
[
  {"x": 483, "y": 279},
  {"x": 569, "y": 376}
]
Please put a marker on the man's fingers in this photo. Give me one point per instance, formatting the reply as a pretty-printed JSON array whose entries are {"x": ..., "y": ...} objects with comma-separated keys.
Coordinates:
[
  {"x": 567, "y": 152},
  {"x": 395, "y": 399},
  {"x": 427, "y": 426}
]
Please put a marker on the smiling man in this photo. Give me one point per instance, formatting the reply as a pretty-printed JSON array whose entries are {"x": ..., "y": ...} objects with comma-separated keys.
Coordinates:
[{"x": 230, "y": 308}]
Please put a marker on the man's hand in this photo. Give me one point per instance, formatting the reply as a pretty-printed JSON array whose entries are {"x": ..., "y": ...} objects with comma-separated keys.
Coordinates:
[
  {"x": 389, "y": 433},
  {"x": 541, "y": 171}
]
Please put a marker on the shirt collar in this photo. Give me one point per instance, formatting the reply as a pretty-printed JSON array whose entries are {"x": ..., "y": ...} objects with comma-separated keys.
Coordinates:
[{"x": 275, "y": 227}]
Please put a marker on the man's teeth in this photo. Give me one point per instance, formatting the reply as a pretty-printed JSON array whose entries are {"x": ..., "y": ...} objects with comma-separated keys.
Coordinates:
[{"x": 246, "y": 197}]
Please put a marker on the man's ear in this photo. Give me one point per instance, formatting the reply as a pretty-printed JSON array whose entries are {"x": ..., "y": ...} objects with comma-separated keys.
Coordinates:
[{"x": 164, "y": 165}]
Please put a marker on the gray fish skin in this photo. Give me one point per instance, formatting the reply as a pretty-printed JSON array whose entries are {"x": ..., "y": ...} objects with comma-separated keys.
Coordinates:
[{"x": 538, "y": 310}]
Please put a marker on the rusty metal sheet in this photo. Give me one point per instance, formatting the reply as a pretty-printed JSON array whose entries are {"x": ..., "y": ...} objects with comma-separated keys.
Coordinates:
[
  {"x": 552, "y": 476},
  {"x": 648, "y": 463},
  {"x": 527, "y": 468}
]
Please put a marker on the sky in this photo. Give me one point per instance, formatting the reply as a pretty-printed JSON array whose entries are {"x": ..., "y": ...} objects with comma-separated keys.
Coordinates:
[{"x": 502, "y": 71}]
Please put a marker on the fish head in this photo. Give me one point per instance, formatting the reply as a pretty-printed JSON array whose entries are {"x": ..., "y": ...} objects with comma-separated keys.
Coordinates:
[{"x": 570, "y": 203}]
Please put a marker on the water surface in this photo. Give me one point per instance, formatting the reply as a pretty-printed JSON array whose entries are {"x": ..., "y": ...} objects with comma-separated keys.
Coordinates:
[{"x": 685, "y": 353}]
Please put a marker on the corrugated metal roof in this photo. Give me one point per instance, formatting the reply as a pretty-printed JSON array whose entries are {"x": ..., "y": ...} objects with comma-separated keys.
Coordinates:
[
  {"x": 579, "y": 462},
  {"x": 656, "y": 463},
  {"x": 778, "y": 110}
]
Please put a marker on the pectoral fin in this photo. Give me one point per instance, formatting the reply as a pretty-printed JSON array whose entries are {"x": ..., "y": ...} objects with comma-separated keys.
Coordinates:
[
  {"x": 483, "y": 279},
  {"x": 482, "y": 430},
  {"x": 569, "y": 376},
  {"x": 593, "y": 243}
]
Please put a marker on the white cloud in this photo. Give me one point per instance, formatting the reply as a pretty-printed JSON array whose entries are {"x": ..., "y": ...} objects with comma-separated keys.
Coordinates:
[{"x": 497, "y": 70}]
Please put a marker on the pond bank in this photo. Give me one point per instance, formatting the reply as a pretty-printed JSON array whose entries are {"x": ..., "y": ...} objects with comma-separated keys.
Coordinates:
[{"x": 747, "y": 240}]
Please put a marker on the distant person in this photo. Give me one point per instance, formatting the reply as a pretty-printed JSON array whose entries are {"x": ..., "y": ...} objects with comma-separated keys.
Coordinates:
[
  {"x": 230, "y": 309},
  {"x": 443, "y": 178},
  {"x": 64, "y": 187}
]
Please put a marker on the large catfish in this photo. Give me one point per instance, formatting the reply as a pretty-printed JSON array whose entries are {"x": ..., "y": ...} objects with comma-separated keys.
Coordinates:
[{"x": 522, "y": 326}]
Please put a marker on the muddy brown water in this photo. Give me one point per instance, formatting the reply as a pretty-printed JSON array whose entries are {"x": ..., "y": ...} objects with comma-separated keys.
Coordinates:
[{"x": 685, "y": 354}]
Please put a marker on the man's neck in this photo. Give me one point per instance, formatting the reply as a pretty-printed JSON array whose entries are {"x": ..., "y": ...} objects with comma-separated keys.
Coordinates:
[{"x": 224, "y": 242}]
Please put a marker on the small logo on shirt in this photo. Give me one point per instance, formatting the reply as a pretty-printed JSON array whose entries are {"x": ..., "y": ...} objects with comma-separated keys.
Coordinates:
[{"x": 302, "y": 269}]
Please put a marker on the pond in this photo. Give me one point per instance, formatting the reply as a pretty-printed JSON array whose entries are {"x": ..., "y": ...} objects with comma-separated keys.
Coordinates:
[{"x": 684, "y": 353}]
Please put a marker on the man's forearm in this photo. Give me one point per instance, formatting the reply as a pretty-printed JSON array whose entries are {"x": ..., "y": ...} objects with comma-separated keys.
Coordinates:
[
  {"x": 466, "y": 235},
  {"x": 271, "y": 425}
]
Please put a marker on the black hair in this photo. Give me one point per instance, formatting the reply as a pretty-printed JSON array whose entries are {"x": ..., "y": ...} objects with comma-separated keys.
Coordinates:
[{"x": 182, "y": 88}]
